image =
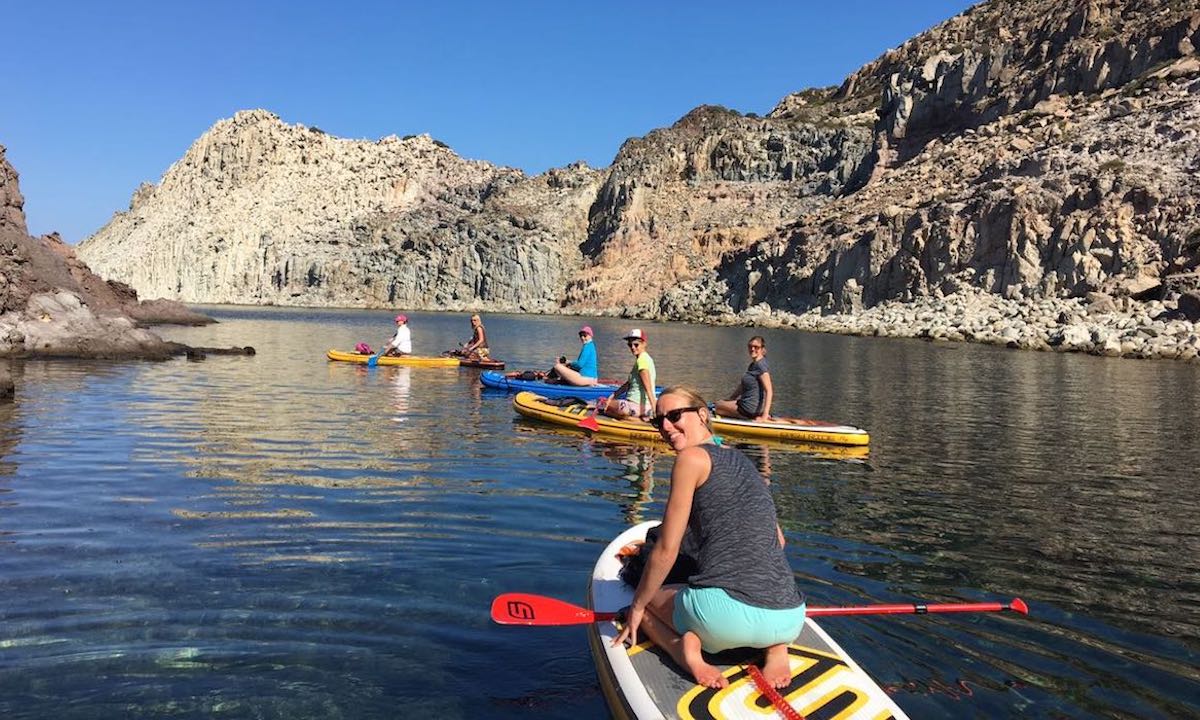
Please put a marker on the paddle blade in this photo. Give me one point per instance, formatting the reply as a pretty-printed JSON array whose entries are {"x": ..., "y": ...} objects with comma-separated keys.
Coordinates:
[
  {"x": 526, "y": 609},
  {"x": 373, "y": 361},
  {"x": 589, "y": 422}
]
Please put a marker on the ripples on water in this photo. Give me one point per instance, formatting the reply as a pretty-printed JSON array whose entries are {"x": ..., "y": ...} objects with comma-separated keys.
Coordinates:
[{"x": 279, "y": 536}]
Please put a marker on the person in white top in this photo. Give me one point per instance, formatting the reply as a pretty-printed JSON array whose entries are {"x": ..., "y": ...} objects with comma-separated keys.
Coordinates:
[{"x": 401, "y": 342}]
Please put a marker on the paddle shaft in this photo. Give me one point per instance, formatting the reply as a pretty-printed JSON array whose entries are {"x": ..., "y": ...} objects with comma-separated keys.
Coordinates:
[{"x": 1017, "y": 605}]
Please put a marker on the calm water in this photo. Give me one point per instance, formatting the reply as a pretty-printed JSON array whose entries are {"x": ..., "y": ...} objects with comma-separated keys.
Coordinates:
[{"x": 282, "y": 537}]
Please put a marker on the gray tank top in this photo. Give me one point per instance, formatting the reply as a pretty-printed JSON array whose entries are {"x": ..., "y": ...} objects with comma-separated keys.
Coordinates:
[{"x": 733, "y": 524}]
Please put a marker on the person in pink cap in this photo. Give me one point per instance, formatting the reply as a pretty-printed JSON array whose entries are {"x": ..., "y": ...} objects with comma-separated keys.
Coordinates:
[
  {"x": 401, "y": 342},
  {"x": 586, "y": 368}
]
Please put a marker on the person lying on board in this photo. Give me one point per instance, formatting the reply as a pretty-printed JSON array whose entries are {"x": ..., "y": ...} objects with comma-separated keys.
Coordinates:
[
  {"x": 743, "y": 593},
  {"x": 586, "y": 369},
  {"x": 477, "y": 347},
  {"x": 640, "y": 385},
  {"x": 401, "y": 342},
  {"x": 751, "y": 399}
]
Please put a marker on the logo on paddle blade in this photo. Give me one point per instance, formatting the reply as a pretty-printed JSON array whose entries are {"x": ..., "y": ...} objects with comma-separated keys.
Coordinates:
[{"x": 519, "y": 610}]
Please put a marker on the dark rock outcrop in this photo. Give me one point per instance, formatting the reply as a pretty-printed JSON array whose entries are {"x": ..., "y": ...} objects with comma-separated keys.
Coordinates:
[{"x": 51, "y": 305}]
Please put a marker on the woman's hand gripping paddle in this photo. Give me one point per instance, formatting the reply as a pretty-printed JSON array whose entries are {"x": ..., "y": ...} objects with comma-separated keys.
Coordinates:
[{"x": 527, "y": 609}]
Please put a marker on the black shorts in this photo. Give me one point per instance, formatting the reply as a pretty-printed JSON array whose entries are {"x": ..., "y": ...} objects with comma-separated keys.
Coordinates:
[{"x": 747, "y": 412}]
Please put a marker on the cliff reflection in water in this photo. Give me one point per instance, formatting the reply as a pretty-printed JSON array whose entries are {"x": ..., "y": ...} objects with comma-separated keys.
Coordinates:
[
  {"x": 269, "y": 443},
  {"x": 1070, "y": 481}
]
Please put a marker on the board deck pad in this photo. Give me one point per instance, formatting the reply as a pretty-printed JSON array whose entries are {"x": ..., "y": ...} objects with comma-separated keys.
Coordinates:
[
  {"x": 823, "y": 685},
  {"x": 644, "y": 682}
]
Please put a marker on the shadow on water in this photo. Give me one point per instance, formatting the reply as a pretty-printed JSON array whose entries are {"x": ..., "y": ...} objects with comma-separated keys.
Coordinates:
[{"x": 280, "y": 536}]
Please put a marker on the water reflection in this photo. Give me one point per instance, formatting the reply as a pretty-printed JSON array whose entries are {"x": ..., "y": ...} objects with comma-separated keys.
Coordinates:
[
  {"x": 259, "y": 536},
  {"x": 401, "y": 390},
  {"x": 637, "y": 463}
]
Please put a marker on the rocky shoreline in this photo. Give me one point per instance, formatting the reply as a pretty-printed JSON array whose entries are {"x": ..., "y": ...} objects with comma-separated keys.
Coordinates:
[
  {"x": 1112, "y": 328},
  {"x": 53, "y": 307}
]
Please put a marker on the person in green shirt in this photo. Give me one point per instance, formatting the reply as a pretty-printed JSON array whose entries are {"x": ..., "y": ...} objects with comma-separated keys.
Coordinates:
[{"x": 640, "y": 385}]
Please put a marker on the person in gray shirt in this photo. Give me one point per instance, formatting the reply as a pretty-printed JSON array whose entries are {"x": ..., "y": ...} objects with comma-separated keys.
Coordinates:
[
  {"x": 752, "y": 398},
  {"x": 743, "y": 593}
]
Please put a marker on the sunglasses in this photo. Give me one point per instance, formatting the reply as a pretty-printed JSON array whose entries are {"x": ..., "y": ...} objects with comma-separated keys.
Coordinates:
[
  {"x": 673, "y": 415},
  {"x": 633, "y": 343},
  {"x": 755, "y": 347}
]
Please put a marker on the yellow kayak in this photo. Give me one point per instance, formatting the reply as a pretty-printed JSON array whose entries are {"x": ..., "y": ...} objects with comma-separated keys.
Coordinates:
[
  {"x": 801, "y": 437},
  {"x": 410, "y": 360},
  {"x": 536, "y": 407},
  {"x": 853, "y": 453},
  {"x": 813, "y": 431}
]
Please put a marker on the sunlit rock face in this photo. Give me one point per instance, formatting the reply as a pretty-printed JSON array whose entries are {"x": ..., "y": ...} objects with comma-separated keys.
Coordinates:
[
  {"x": 1028, "y": 149},
  {"x": 261, "y": 212},
  {"x": 677, "y": 200}
]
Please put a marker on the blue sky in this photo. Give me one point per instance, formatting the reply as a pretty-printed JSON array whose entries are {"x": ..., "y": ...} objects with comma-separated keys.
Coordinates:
[{"x": 101, "y": 96}]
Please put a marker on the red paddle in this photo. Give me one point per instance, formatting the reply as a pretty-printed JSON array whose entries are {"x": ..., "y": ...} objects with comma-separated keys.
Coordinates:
[
  {"x": 527, "y": 609},
  {"x": 589, "y": 422}
]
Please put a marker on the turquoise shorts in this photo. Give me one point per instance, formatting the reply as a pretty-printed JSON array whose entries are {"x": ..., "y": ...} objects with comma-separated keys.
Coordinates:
[{"x": 723, "y": 623}]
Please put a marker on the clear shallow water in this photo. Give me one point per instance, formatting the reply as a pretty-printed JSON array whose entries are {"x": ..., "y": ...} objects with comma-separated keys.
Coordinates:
[{"x": 283, "y": 537}]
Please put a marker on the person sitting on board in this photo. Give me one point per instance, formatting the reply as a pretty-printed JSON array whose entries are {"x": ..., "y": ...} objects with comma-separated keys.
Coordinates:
[
  {"x": 401, "y": 342},
  {"x": 639, "y": 402},
  {"x": 477, "y": 347},
  {"x": 751, "y": 399},
  {"x": 743, "y": 594},
  {"x": 586, "y": 369}
]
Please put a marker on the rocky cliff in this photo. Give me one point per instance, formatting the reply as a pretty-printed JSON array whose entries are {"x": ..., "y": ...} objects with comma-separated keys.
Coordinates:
[
  {"x": 1039, "y": 147},
  {"x": 258, "y": 211},
  {"x": 1031, "y": 150},
  {"x": 1024, "y": 151},
  {"x": 674, "y": 202},
  {"x": 52, "y": 305}
]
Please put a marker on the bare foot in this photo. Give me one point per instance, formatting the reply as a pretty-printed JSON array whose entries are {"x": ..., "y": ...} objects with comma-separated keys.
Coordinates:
[
  {"x": 778, "y": 670},
  {"x": 708, "y": 676},
  {"x": 705, "y": 674}
]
